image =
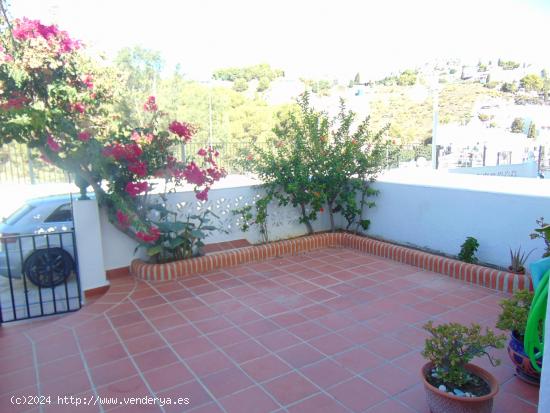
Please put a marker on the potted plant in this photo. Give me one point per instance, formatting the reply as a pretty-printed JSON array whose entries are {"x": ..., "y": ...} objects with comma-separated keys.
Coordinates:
[
  {"x": 513, "y": 318},
  {"x": 543, "y": 231},
  {"x": 452, "y": 384},
  {"x": 517, "y": 260}
]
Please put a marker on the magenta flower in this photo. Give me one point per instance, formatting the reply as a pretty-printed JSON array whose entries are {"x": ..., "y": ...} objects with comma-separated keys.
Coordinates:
[
  {"x": 79, "y": 107},
  {"x": 26, "y": 29},
  {"x": 151, "y": 236},
  {"x": 88, "y": 81},
  {"x": 53, "y": 144},
  {"x": 202, "y": 152},
  {"x": 150, "y": 105},
  {"x": 130, "y": 152},
  {"x": 136, "y": 188},
  {"x": 14, "y": 103},
  {"x": 84, "y": 136},
  {"x": 202, "y": 195},
  {"x": 139, "y": 168},
  {"x": 194, "y": 175},
  {"x": 182, "y": 129},
  {"x": 123, "y": 219}
]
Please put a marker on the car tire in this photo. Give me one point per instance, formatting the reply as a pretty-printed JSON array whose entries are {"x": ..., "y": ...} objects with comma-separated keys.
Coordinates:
[{"x": 48, "y": 268}]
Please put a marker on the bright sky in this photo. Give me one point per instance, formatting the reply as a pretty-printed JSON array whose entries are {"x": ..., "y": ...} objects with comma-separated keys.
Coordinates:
[{"x": 335, "y": 38}]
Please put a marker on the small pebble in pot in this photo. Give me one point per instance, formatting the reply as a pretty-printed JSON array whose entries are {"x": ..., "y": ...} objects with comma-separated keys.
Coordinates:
[
  {"x": 442, "y": 387},
  {"x": 459, "y": 392}
]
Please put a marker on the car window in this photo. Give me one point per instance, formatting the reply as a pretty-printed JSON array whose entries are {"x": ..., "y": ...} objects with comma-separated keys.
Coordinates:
[
  {"x": 18, "y": 214},
  {"x": 62, "y": 214}
]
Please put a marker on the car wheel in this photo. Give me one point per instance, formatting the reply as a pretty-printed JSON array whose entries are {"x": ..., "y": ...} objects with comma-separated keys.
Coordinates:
[{"x": 48, "y": 267}]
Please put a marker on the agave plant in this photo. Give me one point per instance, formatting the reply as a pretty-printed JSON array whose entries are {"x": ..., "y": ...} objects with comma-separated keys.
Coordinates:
[{"x": 517, "y": 260}]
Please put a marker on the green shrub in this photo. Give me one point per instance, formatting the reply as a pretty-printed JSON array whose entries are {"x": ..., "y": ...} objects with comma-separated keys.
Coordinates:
[
  {"x": 543, "y": 232},
  {"x": 468, "y": 250},
  {"x": 515, "y": 312},
  {"x": 317, "y": 162},
  {"x": 453, "y": 345}
]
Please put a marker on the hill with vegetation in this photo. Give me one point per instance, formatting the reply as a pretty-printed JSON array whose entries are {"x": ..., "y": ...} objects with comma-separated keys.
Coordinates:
[{"x": 411, "y": 120}]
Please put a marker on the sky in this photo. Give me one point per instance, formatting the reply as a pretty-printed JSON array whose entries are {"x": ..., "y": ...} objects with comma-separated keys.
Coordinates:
[{"x": 317, "y": 39}]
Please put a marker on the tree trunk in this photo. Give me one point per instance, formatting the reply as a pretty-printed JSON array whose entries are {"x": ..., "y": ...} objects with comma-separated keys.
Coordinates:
[
  {"x": 306, "y": 220},
  {"x": 361, "y": 206},
  {"x": 331, "y": 216}
]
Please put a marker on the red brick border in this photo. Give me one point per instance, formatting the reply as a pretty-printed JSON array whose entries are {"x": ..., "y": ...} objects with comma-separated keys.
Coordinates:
[{"x": 476, "y": 274}]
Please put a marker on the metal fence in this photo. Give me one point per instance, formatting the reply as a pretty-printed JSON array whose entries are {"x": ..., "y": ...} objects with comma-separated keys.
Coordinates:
[
  {"x": 20, "y": 164},
  {"x": 38, "y": 275},
  {"x": 466, "y": 157},
  {"x": 230, "y": 153}
]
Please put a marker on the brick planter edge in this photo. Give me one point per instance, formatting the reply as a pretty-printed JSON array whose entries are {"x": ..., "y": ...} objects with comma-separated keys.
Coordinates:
[{"x": 476, "y": 274}]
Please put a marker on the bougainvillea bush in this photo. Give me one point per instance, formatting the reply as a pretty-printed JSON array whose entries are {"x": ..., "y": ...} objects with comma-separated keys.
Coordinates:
[
  {"x": 320, "y": 164},
  {"x": 56, "y": 99}
]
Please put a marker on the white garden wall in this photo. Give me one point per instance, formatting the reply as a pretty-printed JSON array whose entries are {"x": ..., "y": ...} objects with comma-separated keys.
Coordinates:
[
  {"x": 426, "y": 210},
  {"x": 438, "y": 211},
  {"x": 118, "y": 249}
]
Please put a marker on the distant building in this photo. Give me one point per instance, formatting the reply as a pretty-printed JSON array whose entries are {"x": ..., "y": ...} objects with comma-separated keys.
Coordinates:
[{"x": 283, "y": 91}]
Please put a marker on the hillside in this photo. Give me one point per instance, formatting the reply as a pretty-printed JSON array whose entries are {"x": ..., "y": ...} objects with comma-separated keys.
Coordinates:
[{"x": 411, "y": 119}]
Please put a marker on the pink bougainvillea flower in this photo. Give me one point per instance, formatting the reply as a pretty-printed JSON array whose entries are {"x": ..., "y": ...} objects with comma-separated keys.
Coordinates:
[
  {"x": 58, "y": 40},
  {"x": 202, "y": 152},
  {"x": 150, "y": 105},
  {"x": 66, "y": 44},
  {"x": 139, "y": 168},
  {"x": 84, "y": 136},
  {"x": 203, "y": 195},
  {"x": 16, "y": 102},
  {"x": 123, "y": 219},
  {"x": 151, "y": 236},
  {"x": 133, "y": 151},
  {"x": 216, "y": 174},
  {"x": 130, "y": 152},
  {"x": 182, "y": 129},
  {"x": 78, "y": 107},
  {"x": 53, "y": 144},
  {"x": 88, "y": 81},
  {"x": 137, "y": 137},
  {"x": 194, "y": 175},
  {"x": 249, "y": 157},
  {"x": 136, "y": 188},
  {"x": 25, "y": 29}
]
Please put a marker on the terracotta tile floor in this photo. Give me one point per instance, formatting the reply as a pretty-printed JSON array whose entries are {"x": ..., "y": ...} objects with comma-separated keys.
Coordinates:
[{"x": 329, "y": 331}]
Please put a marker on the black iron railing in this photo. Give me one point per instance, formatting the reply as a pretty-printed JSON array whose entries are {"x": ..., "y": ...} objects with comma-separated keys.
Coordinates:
[{"x": 38, "y": 275}]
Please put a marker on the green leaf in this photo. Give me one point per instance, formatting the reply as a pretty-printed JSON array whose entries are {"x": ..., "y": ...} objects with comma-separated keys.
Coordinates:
[
  {"x": 197, "y": 233},
  {"x": 365, "y": 224},
  {"x": 176, "y": 242},
  {"x": 157, "y": 249}
]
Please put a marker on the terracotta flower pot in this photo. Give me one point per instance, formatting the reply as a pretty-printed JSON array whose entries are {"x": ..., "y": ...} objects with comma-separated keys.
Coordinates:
[
  {"x": 524, "y": 369},
  {"x": 443, "y": 402}
]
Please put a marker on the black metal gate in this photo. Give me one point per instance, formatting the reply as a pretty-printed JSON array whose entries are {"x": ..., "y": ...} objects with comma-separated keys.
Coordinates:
[{"x": 38, "y": 275}]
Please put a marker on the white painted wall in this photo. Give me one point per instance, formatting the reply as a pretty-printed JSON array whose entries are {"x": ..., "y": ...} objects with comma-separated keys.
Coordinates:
[
  {"x": 118, "y": 249},
  {"x": 438, "y": 211},
  {"x": 418, "y": 208},
  {"x": 90, "y": 244}
]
